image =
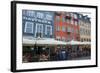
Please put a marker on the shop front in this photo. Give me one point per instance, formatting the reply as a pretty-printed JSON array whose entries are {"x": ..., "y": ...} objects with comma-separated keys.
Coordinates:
[
  {"x": 44, "y": 53},
  {"x": 37, "y": 50},
  {"x": 36, "y": 53}
]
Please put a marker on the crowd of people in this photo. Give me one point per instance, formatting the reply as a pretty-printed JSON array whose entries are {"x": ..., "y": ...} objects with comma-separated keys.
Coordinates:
[{"x": 57, "y": 54}]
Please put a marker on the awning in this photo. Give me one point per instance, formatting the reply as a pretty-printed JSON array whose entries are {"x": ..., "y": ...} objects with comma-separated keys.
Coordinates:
[
  {"x": 78, "y": 43},
  {"x": 42, "y": 41},
  {"x": 49, "y": 41}
]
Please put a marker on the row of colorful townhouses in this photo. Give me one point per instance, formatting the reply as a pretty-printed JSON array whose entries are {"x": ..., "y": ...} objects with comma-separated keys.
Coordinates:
[{"x": 63, "y": 26}]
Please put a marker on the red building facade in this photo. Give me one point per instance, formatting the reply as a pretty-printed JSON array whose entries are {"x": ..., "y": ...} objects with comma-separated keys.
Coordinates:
[{"x": 66, "y": 26}]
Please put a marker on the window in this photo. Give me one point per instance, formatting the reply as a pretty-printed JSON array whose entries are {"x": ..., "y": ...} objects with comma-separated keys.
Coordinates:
[
  {"x": 57, "y": 28},
  {"x": 57, "y": 18},
  {"x": 82, "y": 31},
  {"x": 75, "y": 19},
  {"x": 28, "y": 27},
  {"x": 68, "y": 29},
  {"x": 86, "y": 32},
  {"x": 80, "y": 22},
  {"x": 89, "y": 32},
  {"x": 75, "y": 16},
  {"x": 84, "y": 39},
  {"x": 85, "y": 17},
  {"x": 72, "y": 21},
  {"x": 68, "y": 17},
  {"x": 68, "y": 38},
  {"x": 48, "y": 30},
  {"x": 68, "y": 21},
  {"x": 72, "y": 30},
  {"x": 77, "y": 31},
  {"x": 48, "y": 16},
  {"x": 68, "y": 14},
  {"x": 80, "y": 16},
  {"x": 63, "y": 28},
  {"x": 58, "y": 37},
  {"x": 63, "y": 19},
  {"x": 76, "y": 22},
  {"x": 63, "y": 39},
  {"x": 39, "y": 30},
  {"x": 71, "y": 14},
  {"x": 30, "y": 13},
  {"x": 40, "y": 15}
]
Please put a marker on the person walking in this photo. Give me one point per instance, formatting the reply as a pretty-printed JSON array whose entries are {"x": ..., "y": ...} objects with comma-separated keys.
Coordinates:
[{"x": 62, "y": 54}]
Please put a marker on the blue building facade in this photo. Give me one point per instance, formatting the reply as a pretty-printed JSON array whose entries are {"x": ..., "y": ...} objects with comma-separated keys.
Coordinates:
[{"x": 38, "y": 23}]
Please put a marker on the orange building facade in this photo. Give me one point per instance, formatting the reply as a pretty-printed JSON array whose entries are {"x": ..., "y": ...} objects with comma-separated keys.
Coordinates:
[{"x": 66, "y": 26}]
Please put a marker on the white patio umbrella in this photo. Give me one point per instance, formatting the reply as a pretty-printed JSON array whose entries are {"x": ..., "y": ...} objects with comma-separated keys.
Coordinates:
[
  {"x": 42, "y": 41},
  {"x": 50, "y": 42},
  {"x": 28, "y": 41},
  {"x": 78, "y": 43},
  {"x": 73, "y": 42}
]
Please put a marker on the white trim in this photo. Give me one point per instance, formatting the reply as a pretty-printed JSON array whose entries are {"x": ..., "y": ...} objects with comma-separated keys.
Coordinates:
[
  {"x": 50, "y": 29},
  {"x": 49, "y": 16},
  {"x": 75, "y": 16},
  {"x": 26, "y": 26},
  {"x": 39, "y": 28}
]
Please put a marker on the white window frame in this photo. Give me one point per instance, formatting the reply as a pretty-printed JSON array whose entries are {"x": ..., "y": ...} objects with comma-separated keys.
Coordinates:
[
  {"x": 48, "y": 16},
  {"x": 50, "y": 29},
  {"x": 26, "y": 26},
  {"x": 71, "y": 15},
  {"x": 37, "y": 28},
  {"x": 75, "y": 16}
]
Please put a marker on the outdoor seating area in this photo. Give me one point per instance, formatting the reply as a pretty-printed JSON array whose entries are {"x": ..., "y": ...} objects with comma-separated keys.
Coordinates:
[{"x": 58, "y": 53}]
